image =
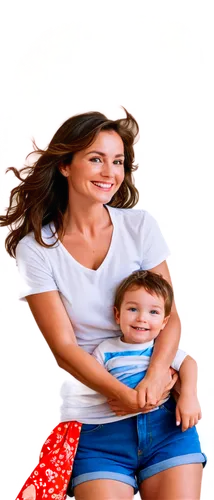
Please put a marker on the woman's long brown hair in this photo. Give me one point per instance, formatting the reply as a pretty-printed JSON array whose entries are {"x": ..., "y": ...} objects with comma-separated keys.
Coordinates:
[{"x": 41, "y": 196}]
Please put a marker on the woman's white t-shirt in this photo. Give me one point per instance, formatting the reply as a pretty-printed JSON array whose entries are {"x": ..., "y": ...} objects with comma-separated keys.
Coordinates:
[{"x": 88, "y": 295}]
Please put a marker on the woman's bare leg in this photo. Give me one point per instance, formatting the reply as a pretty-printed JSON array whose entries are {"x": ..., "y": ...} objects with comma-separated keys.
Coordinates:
[
  {"x": 178, "y": 483},
  {"x": 103, "y": 489}
]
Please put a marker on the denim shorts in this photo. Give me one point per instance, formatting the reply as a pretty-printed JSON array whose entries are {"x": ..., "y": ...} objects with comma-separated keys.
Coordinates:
[{"x": 134, "y": 449}]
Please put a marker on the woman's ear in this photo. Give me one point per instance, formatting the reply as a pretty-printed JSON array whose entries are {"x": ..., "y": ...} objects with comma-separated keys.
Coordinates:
[
  {"x": 64, "y": 170},
  {"x": 116, "y": 315}
]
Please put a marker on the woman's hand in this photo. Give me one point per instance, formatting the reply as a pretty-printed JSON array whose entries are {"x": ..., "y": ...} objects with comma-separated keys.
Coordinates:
[
  {"x": 133, "y": 405},
  {"x": 127, "y": 404},
  {"x": 122, "y": 409},
  {"x": 155, "y": 387}
]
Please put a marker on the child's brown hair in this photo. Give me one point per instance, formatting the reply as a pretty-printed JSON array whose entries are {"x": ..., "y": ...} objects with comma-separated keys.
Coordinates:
[{"x": 153, "y": 283}]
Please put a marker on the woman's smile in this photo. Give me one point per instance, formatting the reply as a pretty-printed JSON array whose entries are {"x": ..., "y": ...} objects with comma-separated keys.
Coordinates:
[{"x": 106, "y": 186}]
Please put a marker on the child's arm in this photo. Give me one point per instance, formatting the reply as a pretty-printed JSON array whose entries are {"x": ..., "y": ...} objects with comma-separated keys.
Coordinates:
[{"x": 188, "y": 410}]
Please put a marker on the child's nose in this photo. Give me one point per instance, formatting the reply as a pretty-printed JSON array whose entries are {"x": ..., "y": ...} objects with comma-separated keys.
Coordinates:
[{"x": 142, "y": 316}]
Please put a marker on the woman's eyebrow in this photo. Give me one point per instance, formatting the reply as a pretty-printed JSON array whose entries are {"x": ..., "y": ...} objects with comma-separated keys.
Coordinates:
[{"x": 103, "y": 154}]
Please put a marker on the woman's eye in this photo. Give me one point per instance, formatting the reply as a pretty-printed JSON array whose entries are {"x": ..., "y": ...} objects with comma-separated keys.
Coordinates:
[
  {"x": 118, "y": 162},
  {"x": 95, "y": 159}
]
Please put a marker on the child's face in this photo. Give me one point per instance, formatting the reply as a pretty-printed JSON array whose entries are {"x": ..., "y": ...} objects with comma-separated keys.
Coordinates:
[{"x": 141, "y": 316}]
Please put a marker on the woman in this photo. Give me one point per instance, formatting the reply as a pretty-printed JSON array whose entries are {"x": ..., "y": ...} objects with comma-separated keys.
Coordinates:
[{"x": 74, "y": 243}]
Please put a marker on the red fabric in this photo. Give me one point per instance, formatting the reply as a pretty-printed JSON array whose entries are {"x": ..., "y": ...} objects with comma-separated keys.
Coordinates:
[{"x": 49, "y": 480}]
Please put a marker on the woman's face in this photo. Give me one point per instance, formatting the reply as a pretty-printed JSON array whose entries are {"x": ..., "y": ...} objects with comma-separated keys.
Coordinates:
[{"x": 97, "y": 172}]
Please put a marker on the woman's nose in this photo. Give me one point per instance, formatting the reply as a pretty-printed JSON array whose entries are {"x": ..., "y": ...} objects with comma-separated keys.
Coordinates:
[{"x": 107, "y": 168}]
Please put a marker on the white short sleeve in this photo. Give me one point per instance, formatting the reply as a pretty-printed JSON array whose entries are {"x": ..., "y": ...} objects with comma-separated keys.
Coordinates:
[
  {"x": 98, "y": 355},
  {"x": 178, "y": 360},
  {"x": 34, "y": 270},
  {"x": 155, "y": 249}
]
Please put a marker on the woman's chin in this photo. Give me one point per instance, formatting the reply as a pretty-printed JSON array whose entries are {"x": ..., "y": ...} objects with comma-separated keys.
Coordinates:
[{"x": 104, "y": 196}]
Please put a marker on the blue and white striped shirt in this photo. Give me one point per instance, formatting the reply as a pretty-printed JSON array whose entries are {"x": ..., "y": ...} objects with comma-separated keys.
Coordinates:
[{"x": 127, "y": 362}]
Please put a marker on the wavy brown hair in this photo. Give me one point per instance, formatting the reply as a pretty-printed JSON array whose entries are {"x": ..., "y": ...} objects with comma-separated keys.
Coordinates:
[{"x": 41, "y": 196}]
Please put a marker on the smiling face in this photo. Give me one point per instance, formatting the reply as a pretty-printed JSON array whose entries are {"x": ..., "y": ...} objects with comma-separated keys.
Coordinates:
[
  {"x": 96, "y": 173},
  {"x": 141, "y": 316}
]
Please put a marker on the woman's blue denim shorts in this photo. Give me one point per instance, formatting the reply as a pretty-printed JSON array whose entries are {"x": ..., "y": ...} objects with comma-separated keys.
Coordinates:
[{"x": 134, "y": 449}]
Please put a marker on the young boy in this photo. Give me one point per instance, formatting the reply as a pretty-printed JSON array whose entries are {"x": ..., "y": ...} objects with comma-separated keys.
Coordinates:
[{"x": 142, "y": 308}]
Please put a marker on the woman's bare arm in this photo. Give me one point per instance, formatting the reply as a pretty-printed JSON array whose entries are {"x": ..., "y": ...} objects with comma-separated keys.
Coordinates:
[
  {"x": 55, "y": 325},
  {"x": 152, "y": 386},
  {"x": 166, "y": 344}
]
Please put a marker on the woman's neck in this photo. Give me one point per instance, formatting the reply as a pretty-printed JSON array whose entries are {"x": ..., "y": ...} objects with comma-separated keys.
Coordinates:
[{"x": 86, "y": 219}]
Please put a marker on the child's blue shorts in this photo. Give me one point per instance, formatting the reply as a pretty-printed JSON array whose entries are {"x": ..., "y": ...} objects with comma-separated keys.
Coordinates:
[{"x": 134, "y": 449}]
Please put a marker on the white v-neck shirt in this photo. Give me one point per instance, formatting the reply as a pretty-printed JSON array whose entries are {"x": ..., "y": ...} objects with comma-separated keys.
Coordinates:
[{"x": 88, "y": 295}]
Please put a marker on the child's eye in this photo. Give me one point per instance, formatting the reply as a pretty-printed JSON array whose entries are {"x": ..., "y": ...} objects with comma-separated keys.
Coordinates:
[
  {"x": 153, "y": 311},
  {"x": 132, "y": 309}
]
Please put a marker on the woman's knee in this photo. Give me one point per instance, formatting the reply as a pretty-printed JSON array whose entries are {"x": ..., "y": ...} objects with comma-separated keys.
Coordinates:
[{"x": 103, "y": 489}]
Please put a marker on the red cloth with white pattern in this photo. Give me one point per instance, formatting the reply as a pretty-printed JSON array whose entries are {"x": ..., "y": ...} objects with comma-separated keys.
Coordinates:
[{"x": 49, "y": 480}]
